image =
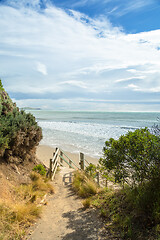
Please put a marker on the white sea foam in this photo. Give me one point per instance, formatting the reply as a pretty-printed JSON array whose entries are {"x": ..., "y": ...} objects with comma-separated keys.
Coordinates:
[
  {"x": 86, "y": 137},
  {"x": 88, "y": 131}
]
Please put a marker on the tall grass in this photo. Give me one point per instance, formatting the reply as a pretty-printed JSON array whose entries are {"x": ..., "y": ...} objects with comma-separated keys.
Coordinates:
[
  {"x": 84, "y": 185},
  {"x": 16, "y": 217}
]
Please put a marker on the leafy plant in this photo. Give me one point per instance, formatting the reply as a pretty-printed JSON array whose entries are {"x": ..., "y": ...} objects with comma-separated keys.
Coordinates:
[
  {"x": 133, "y": 158},
  {"x": 91, "y": 170},
  {"x": 40, "y": 169},
  {"x": 1, "y": 86},
  {"x": 134, "y": 161},
  {"x": 19, "y": 131}
]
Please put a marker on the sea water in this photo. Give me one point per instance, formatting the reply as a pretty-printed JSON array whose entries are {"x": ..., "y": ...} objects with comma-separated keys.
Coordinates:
[{"x": 87, "y": 131}]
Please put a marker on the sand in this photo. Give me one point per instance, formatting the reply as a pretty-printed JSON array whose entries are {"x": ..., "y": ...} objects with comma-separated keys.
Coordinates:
[
  {"x": 64, "y": 217},
  {"x": 45, "y": 153}
]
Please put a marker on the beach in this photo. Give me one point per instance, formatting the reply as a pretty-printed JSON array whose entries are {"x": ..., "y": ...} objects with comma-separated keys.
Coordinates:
[
  {"x": 87, "y": 132},
  {"x": 45, "y": 153}
]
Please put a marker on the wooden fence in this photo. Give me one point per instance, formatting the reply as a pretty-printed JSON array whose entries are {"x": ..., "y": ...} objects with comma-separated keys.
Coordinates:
[{"x": 59, "y": 157}]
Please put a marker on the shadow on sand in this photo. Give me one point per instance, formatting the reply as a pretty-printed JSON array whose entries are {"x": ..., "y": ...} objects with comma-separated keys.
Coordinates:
[{"x": 85, "y": 225}]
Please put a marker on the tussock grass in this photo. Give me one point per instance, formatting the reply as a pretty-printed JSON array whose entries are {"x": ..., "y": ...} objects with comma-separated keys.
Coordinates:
[
  {"x": 86, "y": 203},
  {"x": 16, "y": 217},
  {"x": 10, "y": 227},
  {"x": 25, "y": 213},
  {"x": 34, "y": 176},
  {"x": 41, "y": 183},
  {"x": 84, "y": 186}
]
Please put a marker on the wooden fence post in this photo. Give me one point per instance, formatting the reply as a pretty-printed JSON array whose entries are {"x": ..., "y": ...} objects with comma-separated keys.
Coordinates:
[
  {"x": 81, "y": 162},
  {"x": 70, "y": 162},
  {"x": 50, "y": 169}
]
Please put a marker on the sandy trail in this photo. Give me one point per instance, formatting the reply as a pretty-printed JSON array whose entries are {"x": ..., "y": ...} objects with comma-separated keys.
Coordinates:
[{"x": 64, "y": 217}]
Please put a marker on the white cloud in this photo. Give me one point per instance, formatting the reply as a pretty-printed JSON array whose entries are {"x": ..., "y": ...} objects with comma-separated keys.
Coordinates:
[
  {"x": 74, "y": 54},
  {"x": 89, "y": 104},
  {"x": 129, "y": 79},
  {"x": 133, "y": 86},
  {"x": 41, "y": 68},
  {"x": 74, "y": 83},
  {"x": 143, "y": 89},
  {"x": 132, "y": 6},
  {"x": 137, "y": 4}
]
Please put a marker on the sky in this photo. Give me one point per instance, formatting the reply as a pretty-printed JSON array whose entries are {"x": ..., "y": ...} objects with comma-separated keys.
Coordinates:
[{"x": 86, "y": 55}]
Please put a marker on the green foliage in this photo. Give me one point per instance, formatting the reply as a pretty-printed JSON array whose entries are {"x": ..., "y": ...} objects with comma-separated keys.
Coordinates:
[
  {"x": 132, "y": 213},
  {"x": 91, "y": 170},
  {"x": 19, "y": 131},
  {"x": 133, "y": 158},
  {"x": 40, "y": 169},
  {"x": 1, "y": 86}
]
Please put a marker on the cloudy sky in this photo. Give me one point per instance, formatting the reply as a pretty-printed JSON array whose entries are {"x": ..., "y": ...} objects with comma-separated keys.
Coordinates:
[{"x": 101, "y": 55}]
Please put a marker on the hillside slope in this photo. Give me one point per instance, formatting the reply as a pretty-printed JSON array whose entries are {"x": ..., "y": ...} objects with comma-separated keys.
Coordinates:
[
  {"x": 19, "y": 132},
  {"x": 19, "y": 136}
]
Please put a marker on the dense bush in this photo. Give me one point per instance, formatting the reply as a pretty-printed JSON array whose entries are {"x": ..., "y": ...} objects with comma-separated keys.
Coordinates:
[
  {"x": 133, "y": 158},
  {"x": 19, "y": 132}
]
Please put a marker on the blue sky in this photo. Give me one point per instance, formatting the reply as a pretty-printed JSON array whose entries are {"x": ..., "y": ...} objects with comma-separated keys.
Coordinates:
[
  {"x": 81, "y": 55},
  {"x": 133, "y": 16}
]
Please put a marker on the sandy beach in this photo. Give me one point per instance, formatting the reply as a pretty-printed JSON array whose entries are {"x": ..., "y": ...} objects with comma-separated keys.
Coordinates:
[{"x": 45, "y": 153}]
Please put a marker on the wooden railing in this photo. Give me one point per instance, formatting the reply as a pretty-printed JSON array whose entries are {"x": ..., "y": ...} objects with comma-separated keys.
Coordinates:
[
  {"x": 69, "y": 161},
  {"x": 53, "y": 164},
  {"x": 59, "y": 157}
]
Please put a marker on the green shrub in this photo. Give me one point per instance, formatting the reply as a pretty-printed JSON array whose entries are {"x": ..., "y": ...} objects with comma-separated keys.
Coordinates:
[
  {"x": 132, "y": 212},
  {"x": 40, "y": 169},
  {"x": 1, "y": 85},
  {"x": 133, "y": 158},
  {"x": 91, "y": 170},
  {"x": 19, "y": 131}
]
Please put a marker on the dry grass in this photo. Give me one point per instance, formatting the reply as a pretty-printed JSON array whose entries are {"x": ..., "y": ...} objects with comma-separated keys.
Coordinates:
[
  {"x": 25, "y": 213},
  {"x": 83, "y": 185},
  {"x": 16, "y": 216},
  {"x": 41, "y": 183},
  {"x": 86, "y": 203},
  {"x": 10, "y": 227}
]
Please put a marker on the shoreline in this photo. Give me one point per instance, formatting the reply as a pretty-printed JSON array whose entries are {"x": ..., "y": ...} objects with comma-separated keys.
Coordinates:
[{"x": 44, "y": 153}]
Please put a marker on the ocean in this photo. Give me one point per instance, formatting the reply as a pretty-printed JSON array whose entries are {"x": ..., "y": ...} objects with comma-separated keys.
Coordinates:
[{"x": 87, "y": 131}]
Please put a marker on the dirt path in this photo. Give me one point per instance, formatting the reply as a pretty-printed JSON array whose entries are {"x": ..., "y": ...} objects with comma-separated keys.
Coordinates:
[{"x": 64, "y": 217}]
